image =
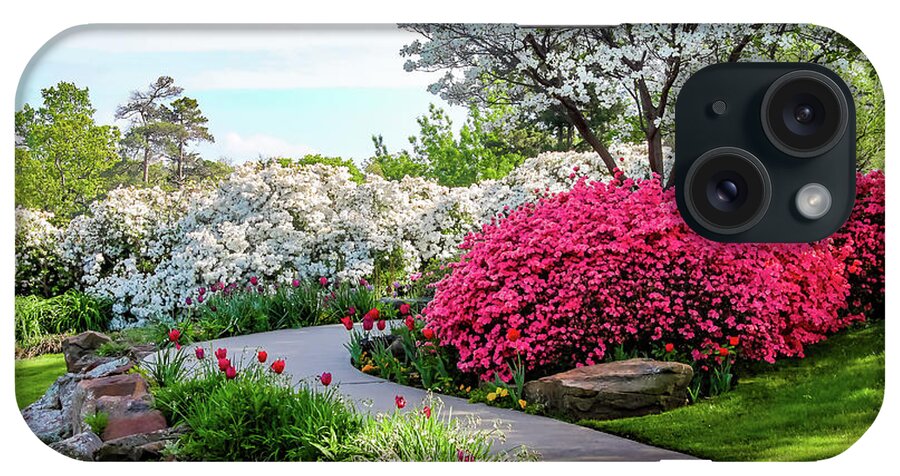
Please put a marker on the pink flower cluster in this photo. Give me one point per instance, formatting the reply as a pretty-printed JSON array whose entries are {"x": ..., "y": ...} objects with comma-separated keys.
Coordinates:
[
  {"x": 603, "y": 265},
  {"x": 864, "y": 235}
]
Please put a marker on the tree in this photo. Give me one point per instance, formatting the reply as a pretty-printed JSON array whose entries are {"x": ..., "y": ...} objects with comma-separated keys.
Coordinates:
[
  {"x": 61, "y": 153},
  {"x": 580, "y": 72},
  {"x": 187, "y": 126},
  {"x": 144, "y": 109}
]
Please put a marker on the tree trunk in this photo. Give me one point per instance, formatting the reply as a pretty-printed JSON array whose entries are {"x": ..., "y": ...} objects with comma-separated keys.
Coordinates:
[
  {"x": 655, "y": 153},
  {"x": 577, "y": 119},
  {"x": 146, "y": 165},
  {"x": 180, "y": 163}
]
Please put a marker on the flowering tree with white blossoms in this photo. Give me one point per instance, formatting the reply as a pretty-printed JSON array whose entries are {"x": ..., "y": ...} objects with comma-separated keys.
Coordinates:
[{"x": 578, "y": 70}]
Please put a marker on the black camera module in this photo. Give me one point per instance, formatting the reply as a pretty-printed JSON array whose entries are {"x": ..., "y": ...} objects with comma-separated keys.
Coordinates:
[{"x": 804, "y": 113}]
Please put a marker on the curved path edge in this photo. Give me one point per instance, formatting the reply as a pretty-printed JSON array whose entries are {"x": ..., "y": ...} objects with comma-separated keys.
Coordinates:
[{"x": 313, "y": 350}]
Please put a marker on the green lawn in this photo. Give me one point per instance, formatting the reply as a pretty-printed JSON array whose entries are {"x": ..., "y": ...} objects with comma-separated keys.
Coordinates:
[
  {"x": 34, "y": 376},
  {"x": 799, "y": 409}
]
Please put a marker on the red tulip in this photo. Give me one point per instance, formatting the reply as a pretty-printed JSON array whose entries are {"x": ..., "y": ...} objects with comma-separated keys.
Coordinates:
[
  {"x": 347, "y": 322},
  {"x": 323, "y": 281},
  {"x": 410, "y": 323},
  {"x": 200, "y": 298},
  {"x": 202, "y": 290},
  {"x": 254, "y": 280},
  {"x": 189, "y": 301},
  {"x": 670, "y": 347},
  {"x": 428, "y": 333},
  {"x": 400, "y": 401},
  {"x": 200, "y": 353},
  {"x": 351, "y": 311},
  {"x": 262, "y": 356},
  {"x": 174, "y": 335},
  {"x": 404, "y": 309},
  {"x": 230, "y": 373},
  {"x": 363, "y": 282},
  {"x": 381, "y": 324},
  {"x": 426, "y": 411},
  {"x": 734, "y": 341},
  {"x": 177, "y": 346},
  {"x": 513, "y": 335},
  {"x": 367, "y": 323},
  {"x": 278, "y": 366},
  {"x": 224, "y": 364},
  {"x": 325, "y": 378},
  {"x": 221, "y": 353},
  {"x": 374, "y": 312},
  {"x": 723, "y": 351},
  {"x": 295, "y": 283}
]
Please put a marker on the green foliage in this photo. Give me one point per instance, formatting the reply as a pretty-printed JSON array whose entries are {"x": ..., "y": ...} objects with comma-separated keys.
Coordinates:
[
  {"x": 113, "y": 349},
  {"x": 175, "y": 399},
  {"x": 414, "y": 436},
  {"x": 869, "y": 118},
  {"x": 355, "y": 174},
  {"x": 97, "y": 421},
  {"x": 167, "y": 368},
  {"x": 801, "y": 409},
  {"x": 35, "y": 375},
  {"x": 63, "y": 153},
  {"x": 71, "y": 312},
  {"x": 477, "y": 154},
  {"x": 258, "y": 418}
]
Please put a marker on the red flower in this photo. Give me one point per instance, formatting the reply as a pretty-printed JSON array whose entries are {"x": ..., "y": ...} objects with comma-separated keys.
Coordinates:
[
  {"x": 400, "y": 401},
  {"x": 513, "y": 335},
  {"x": 464, "y": 456},
  {"x": 426, "y": 411},
  {"x": 368, "y": 323},
  {"x": 374, "y": 313},
  {"x": 230, "y": 373},
  {"x": 295, "y": 283},
  {"x": 224, "y": 364},
  {"x": 200, "y": 353},
  {"x": 428, "y": 333},
  {"x": 325, "y": 378},
  {"x": 363, "y": 282},
  {"x": 262, "y": 356},
  {"x": 734, "y": 341},
  {"x": 189, "y": 301},
  {"x": 323, "y": 281},
  {"x": 410, "y": 323},
  {"x": 404, "y": 309},
  {"x": 221, "y": 353},
  {"x": 202, "y": 290},
  {"x": 200, "y": 298},
  {"x": 670, "y": 347},
  {"x": 177, "y": 346},
  {"x": 278, "y": 366},
  {"x": 347, "y": 322},
  {"x": 254, "y": 280},
  {"x": 174, "y": 335},
  {"x": 381, "y": 324},
  {"x": 723, "y": 351},
  {"x": 351, "y": 311}
]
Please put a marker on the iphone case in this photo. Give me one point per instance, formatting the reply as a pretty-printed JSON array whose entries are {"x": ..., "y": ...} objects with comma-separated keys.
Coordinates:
[{"x": 422, "y": 242}]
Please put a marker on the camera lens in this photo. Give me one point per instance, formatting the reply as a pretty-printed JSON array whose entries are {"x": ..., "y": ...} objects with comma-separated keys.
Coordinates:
[
  {"x": 804, "y": 113},
  {"x": 727, "y": 190}
]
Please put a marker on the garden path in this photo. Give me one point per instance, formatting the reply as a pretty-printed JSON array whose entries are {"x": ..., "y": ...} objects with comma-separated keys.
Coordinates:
[{"x": 313, "y": 350}]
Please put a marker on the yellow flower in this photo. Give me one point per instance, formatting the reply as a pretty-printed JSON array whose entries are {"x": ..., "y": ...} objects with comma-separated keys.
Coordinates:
[
  {"x": 503, "y": 392},
  {"x": 523, "y": 404},
  {"x": 461, "y": 387},
  {"x": 468, "y": 389},
  {"x": 491, "y": 397},
  {"x": 368, "y": 368}
]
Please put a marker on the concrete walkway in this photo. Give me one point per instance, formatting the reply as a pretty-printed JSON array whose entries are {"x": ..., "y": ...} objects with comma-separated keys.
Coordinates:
[{"x": 311, "y": 351}]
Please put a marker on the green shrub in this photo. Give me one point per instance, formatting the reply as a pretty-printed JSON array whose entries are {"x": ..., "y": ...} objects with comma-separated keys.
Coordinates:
[
  {"x": 97, "y": 421},
  {"x": 70, "y": 312},
  {"x": 167, "y": 368},
  {"x": 294, "y": 307},
  {"x": 257, "y": 417},
  {"x": 113, "y": 349},
  {"x": 174, "y": 399}
]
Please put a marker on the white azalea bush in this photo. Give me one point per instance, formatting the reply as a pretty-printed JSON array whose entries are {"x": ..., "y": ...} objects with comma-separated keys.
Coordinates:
[
  {"x": 148, "y": 250},
  {"x": 39, "y": 267}
]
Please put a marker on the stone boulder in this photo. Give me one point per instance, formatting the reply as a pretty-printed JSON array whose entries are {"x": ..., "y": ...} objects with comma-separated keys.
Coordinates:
[
  {"x": 129, "y": 416},
  {"x": 613, "y": 390},
  {"x": 89, "y": 391},
  {"x": 139, "y": 447},
  {"x": 81, "y": 446},
  {"x": 78, "y": 349},
  {"x": 48, "y": 416}
]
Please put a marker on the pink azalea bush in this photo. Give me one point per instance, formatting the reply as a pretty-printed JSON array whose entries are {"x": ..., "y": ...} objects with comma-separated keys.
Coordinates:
[{"x": 610, "y": 264}]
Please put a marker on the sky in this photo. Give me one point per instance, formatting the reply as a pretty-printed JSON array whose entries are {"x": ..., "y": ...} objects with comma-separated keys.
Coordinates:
[{"x": 267, "y": 91}]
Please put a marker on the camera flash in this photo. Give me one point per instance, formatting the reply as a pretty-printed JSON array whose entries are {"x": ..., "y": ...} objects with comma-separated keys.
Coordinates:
[{"x": 813, "y": 201}]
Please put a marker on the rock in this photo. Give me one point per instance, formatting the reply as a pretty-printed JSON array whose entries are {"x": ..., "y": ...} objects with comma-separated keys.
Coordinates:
[
  {"x": 614, "y": 390},
  {"x": 111, "y": 367},
  {"x": 89, "y": 391},
  {"x": 140, "y": 447},
  {"x": 47, "y": 417},
  {"x": 129, "y": 416},
  {"x": 138, "y": 352},
  {"x": 81, "y": 446},
  {"x": 49, "y": 425},
  {"x": 76, "y": 347}
]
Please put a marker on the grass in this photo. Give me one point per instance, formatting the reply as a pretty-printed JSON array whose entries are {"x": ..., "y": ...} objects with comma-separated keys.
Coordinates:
[
  {"x": 796, "y": 410},
  {"x": 34, "y": 376}
]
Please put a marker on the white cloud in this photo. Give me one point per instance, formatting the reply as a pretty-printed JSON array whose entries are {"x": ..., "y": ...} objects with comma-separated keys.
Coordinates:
[{"x": 241, "y": 148}]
